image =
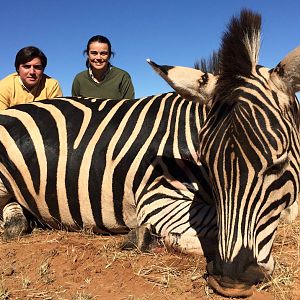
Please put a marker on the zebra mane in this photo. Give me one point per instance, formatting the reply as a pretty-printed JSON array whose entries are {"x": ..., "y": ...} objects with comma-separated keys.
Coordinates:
[
  {"x": 210, "y": 65},
  {"x": 240, "y": 44},
  {"x": 238, "y": 53}
]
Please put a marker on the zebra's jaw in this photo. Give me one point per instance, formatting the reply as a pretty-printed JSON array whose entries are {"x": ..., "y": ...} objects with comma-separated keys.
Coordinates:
[{"x": 290, "y": 213}]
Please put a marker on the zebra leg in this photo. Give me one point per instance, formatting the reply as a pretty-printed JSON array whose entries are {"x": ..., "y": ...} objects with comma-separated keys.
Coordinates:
[
  {"x": 142, "y": 238},
  {"x": 14, "y": 221}
]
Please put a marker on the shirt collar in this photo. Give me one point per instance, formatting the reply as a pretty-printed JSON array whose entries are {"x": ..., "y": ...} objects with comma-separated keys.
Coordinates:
[
  {"x": 22, "y": 85},
  {"x": 104, "y": 75}
]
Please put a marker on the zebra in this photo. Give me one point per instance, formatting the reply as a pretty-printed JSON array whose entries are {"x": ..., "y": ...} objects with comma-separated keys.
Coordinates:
[{"x": 149, "y": 166}]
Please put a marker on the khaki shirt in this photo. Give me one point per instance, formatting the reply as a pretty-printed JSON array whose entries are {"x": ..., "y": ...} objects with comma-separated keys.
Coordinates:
[{"x": 12, "y": 90}]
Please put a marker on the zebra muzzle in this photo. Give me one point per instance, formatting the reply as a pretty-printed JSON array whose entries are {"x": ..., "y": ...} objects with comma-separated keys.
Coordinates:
[
  {"x": 239, "y": 290},
  {"x": 229, "y": 282}
]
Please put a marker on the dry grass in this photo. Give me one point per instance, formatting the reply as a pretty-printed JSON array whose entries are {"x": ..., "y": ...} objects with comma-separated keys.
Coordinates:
[
  {"x": 170, "y": 273},
  {"x": 286, "y": 251},
  {"x": 4, "y": 293},
  {"x": 82, "y": 296}
]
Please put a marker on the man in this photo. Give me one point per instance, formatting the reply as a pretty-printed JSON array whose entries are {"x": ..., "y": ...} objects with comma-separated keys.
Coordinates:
[{"x": 28, "y": 83}]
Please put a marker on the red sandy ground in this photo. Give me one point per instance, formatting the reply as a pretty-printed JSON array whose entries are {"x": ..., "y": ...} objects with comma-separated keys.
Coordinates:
[{"x": 61, "y": 265}]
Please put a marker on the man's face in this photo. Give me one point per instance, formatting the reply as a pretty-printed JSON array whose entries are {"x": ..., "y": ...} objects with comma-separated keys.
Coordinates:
[{"x": 31, "y": 73}]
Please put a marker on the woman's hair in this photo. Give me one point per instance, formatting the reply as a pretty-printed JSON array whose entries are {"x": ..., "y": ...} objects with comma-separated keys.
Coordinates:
[
  {"x": 27, "y": 54},
  {"x": 99, "y": 39}
]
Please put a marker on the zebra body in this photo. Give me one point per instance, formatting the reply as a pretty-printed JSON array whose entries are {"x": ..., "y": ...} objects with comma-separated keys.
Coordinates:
[{"x": 108, "y": 165}]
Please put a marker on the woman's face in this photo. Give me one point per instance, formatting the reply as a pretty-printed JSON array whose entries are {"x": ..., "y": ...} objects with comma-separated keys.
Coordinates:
[
  {"x": 98, "y": 56},
  {"x": 31, "y": 72}
]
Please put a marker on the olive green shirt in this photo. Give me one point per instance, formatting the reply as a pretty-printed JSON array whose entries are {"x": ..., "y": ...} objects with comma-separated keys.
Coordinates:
[{"x": 116, "y": 84}]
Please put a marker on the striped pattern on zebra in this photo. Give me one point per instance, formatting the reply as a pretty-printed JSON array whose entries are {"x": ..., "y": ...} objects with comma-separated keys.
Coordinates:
[
  {"x": 250, "y": 146},
  {"x": 251, "y": 149},
  {"x": 110, "y": 165}
]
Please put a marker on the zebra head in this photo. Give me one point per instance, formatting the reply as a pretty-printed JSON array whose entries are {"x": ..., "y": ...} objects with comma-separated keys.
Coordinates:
[{"x": 250, "y": 147}]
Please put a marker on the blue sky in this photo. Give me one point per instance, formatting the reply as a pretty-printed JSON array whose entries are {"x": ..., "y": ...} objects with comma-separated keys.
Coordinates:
[{"x": 169, "y": 32}]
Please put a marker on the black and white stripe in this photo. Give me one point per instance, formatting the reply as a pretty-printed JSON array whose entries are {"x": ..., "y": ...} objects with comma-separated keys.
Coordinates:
[
  {"x": 109, "y": 165},
  {"x": 250, "y": 146}
]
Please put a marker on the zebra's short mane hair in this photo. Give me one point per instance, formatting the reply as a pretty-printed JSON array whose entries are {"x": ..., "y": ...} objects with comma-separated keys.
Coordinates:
[
  {"x": 210, "y": 65},
  {"x": 238, "y": 52},
  {"x": 240, "y": 44}
]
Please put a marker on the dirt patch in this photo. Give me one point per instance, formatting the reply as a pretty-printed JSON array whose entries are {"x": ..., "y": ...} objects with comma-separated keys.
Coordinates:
[{"x": 61, "y": 265}]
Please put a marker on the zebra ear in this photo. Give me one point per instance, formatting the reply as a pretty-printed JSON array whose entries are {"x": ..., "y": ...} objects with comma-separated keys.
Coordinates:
[
  {"x": 191, "y": 84},
  {"x": 286, "y": 75}
]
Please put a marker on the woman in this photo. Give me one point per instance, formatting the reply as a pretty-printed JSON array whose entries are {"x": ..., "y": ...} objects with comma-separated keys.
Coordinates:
[
  {"x": 28, "y": 83},
  {"x": 101, "y": 79}
]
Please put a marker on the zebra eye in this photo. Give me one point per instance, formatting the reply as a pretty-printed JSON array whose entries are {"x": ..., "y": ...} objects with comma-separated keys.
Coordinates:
[{"x": 277, "y": 167}]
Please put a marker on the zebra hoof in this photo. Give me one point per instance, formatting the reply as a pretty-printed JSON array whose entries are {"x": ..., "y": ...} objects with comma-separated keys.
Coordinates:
[
  {"x": 142, "y": 238},
  {"x": 15, "y": 227}
]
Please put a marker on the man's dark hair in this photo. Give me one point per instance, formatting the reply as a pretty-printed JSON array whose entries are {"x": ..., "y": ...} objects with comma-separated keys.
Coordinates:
[{"x": 27, "y": 54}]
